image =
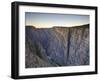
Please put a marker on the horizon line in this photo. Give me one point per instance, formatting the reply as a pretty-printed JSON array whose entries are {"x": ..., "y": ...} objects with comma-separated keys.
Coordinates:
[{"x": 57, "y": 26}]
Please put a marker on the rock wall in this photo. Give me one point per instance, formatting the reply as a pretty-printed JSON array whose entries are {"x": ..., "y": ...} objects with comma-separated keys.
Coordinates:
[{"x": 57, "y": 46}]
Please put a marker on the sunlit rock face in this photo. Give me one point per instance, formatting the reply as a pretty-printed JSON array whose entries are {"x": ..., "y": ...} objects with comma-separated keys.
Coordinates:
[{"x": 56, "y": 46}]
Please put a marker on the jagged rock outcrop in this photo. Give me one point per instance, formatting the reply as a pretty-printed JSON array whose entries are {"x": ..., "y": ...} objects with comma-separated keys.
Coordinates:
[{"x": 57, "y": 46}]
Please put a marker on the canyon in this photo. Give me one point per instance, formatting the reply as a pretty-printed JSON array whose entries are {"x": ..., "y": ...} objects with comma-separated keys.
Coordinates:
[{"x": 56, "y": 46}]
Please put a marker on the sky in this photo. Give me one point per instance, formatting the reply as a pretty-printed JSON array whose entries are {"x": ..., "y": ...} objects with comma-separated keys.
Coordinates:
[{"x": 47, "y": 20}]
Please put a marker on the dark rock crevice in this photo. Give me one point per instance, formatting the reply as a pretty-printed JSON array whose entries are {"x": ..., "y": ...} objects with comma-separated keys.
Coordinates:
[{"x": 68, "y": 45}]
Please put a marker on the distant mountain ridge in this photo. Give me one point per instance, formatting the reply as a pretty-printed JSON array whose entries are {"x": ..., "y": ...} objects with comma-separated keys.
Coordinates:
[
  {"x": 85, "y": 25},
  {"x": 56, "y": 46}
]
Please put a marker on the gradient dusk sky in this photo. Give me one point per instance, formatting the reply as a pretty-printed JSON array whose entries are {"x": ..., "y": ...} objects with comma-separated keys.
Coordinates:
[{"x": 46, "y": 20}]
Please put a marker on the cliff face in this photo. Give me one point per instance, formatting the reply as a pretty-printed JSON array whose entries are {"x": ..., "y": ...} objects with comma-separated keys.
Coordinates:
[{"x": 57, "y": 46}]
